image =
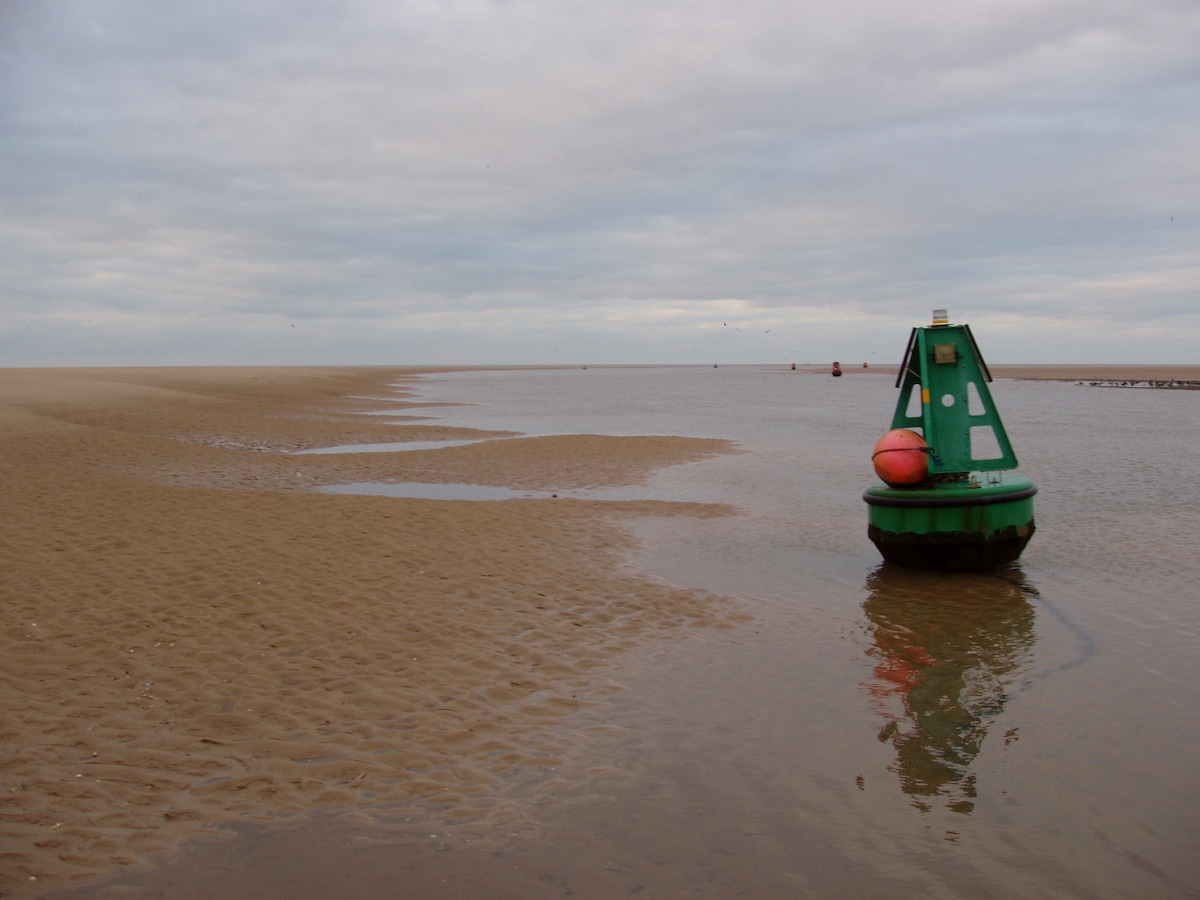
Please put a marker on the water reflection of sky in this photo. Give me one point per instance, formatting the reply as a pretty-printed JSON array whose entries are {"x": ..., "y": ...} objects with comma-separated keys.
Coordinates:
[
  {"x": 384, "y": 447},
  {"x": 1094, "y": 628},
  {"x": 420, "y": 490}
]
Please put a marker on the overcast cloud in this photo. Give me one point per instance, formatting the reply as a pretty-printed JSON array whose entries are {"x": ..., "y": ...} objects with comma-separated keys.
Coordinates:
[{"x": 552, "y": 181}]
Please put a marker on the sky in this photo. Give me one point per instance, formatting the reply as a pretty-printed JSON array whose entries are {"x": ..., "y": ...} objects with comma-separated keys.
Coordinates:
[{"x": 462, "y": 182}]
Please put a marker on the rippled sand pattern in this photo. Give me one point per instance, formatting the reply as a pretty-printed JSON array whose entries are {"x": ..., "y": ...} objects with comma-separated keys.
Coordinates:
[{"x": 188, "y": 635}]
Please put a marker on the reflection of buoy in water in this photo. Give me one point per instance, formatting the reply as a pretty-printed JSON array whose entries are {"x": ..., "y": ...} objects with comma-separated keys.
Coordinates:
[{"x": 901, "y": 458}]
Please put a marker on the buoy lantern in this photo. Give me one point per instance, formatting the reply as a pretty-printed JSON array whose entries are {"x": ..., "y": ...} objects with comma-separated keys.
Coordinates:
[{"x": 947, "y": 500}]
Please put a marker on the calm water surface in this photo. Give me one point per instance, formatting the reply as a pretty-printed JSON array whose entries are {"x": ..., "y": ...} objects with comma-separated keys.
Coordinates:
[
  {"x": 1033, "y": 732},
  {"x": 1030, "y": 732}
]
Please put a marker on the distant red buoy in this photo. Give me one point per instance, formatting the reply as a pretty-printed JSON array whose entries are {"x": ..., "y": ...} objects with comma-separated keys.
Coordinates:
[{"x": 901, "y": 459}]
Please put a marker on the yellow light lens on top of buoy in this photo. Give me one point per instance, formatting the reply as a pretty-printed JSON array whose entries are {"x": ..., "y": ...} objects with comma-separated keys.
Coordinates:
[
  {"x": 901, "y": 458},
  {"x": 941, "y": 317}
]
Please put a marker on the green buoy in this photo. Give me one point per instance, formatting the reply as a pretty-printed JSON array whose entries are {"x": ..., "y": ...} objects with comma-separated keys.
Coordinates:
[{"x": 947, "y": 500}]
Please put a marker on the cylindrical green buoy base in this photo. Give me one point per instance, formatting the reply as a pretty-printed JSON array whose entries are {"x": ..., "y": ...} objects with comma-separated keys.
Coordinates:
[{"x": 955, "y": 526}]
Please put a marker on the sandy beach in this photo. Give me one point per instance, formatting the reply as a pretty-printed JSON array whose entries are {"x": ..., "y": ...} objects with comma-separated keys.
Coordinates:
[{"x": 191, "y": 635}]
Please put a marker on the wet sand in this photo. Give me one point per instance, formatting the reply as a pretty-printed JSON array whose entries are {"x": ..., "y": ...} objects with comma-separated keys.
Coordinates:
[{"x": 192, "y": 637}]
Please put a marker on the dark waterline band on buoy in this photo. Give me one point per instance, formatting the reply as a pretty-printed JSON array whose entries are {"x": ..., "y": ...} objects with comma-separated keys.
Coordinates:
[{"x": 928, "y": 500}]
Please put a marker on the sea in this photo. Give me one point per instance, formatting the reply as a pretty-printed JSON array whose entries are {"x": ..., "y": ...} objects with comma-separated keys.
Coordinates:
[{"x": 1028, "y": 732}]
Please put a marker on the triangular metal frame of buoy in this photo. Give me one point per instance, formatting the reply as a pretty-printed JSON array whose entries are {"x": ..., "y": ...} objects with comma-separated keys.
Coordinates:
[{"x": 956, "y": 415}]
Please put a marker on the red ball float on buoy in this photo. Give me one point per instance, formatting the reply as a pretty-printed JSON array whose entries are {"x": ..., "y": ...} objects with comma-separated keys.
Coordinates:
[{"x": 901, "y": 458}]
